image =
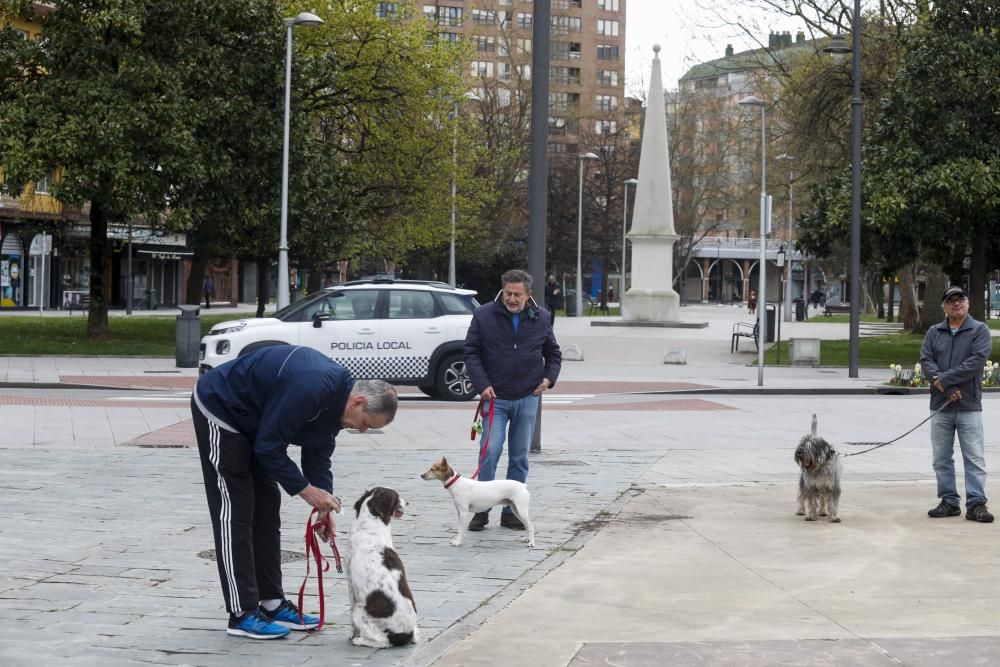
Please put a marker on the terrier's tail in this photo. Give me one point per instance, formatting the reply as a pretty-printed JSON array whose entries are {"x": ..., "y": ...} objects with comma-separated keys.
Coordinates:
[{"x": 814, "y": 425}]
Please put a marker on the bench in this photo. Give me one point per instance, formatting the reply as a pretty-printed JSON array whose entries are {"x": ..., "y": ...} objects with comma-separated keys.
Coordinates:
[
  {"x": 832, "y": 308},
  {"x": 744, "y": 330},
  {"x": 81, "y": 303},
  {"x": 595, "y": 306}
]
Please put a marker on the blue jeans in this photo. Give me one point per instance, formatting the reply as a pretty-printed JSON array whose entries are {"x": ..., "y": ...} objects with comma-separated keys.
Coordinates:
[
  {"x": 969, "y": 427},
  {"x": 520, "y": 415}
]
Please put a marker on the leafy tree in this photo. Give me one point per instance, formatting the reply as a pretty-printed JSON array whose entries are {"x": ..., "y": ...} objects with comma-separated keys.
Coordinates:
[{"x": 120, "y": 97}]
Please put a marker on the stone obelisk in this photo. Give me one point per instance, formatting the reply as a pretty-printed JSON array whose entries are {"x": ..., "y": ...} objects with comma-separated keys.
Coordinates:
[{"x": 651, "y": 298}]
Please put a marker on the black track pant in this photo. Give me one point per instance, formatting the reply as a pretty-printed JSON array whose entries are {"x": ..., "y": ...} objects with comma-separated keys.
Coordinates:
[{"x": 245, "y": 505}]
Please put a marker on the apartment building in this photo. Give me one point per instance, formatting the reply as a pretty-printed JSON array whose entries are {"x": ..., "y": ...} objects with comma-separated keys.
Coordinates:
[{"x": 587, "y": 49}]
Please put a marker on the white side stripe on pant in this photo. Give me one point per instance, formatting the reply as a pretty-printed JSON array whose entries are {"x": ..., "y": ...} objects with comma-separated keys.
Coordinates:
[{"x": 225, "y": 519}]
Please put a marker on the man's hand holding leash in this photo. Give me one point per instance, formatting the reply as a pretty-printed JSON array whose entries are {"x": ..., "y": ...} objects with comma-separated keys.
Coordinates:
[
  {"x": 957, "y": 396},
  {"x": 325, "y": 503}
]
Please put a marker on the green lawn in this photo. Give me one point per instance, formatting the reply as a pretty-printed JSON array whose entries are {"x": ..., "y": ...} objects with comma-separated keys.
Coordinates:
[
  {"x": 873, "y": 352},
  {"x": 139, "y": 336}
]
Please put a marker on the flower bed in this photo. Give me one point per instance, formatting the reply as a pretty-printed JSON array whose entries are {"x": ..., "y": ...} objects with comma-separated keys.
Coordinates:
[{"x": 906, "y": 377}]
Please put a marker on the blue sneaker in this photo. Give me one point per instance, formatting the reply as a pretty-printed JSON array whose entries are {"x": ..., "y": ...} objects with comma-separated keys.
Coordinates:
[
  {"x": 288, "y": 616},
  {"x": 256, "y": 626}
]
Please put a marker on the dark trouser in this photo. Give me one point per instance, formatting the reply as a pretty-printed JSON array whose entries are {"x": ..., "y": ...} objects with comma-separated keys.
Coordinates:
[
  {"x": 551, "y": 307},
  {"x": 245, "y": 506}
]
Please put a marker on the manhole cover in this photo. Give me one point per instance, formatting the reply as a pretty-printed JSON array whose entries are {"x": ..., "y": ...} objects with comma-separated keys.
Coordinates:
[
  {"x": 286, "y": 556},
  {"x": 559, "y": 463}
]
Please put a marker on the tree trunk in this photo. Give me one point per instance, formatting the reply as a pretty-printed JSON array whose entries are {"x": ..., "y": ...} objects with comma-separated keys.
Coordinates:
[
  {"x": 977, "y": 277},
  {"x": 892, "y": 296},
  {"x": 261, "y": 285},
  {"x": 909, "y": 314},
  {"x": 194, "y": 291},
  {"x": 932, "y": 313},
  {"x": 877, "y": 291},
  {"x": 97, "y": 315}
]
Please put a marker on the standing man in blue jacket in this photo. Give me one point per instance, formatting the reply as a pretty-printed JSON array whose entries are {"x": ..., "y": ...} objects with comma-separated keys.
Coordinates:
[
  {"x": 246, "y": 414},
  {"x": 511, "y": 357},
  {"x": 952, "y": 358}
]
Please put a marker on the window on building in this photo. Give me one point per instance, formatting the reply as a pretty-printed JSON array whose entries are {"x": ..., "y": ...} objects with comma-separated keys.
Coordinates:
[
  {"x": 524, "y": 71},
  {"x": 558, "y": 148},
  {"x": 443, "y": 15},
  {"x": 608, "y": 5},
  {"x": 607, "y": 27},
  {"x": 523, "y": 45},
  {"x": 482, "y": 68},
  {"x": 450, "y": 36},
  {"x": 564, "y": 74},
  {"x": 485, "y": 43},
  {"x": 42, "y": 185},
  {"x": 607, "y": 52},
  {"x": 523, "y": 20},
  {"x": 607, "y": 77},
  {"x": 568, "y": 4},
  {"x": 607, "y": 103},
  {"x": 562, "y": 25},
  {"x": 483, "y": 17},
  {"x": 387, "y": 10},
  {"x": 605, "y": 126},
  {"x": 505, "y": 2}
]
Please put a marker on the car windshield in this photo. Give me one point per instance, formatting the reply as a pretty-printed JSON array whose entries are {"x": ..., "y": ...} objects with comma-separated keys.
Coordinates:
[{"x": 293, "y": 308}]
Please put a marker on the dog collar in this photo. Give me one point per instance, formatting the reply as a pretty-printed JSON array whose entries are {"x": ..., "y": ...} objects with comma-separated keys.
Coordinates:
[{"x": 452, "y": 481}]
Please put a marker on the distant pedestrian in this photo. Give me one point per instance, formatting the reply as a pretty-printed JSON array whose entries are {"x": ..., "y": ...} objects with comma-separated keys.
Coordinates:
[
  {"x": 952, "y": 359},
  {"x": 246, "y": 413},
  {"x": 611, "y": 293},
  {"x": 816, "y": 297},
  {"x": 553, "y": 295},
  {"x": 511, "y": 356},
  {"x": 208, "y": 291},
  {"x": 752, "y": 302}
]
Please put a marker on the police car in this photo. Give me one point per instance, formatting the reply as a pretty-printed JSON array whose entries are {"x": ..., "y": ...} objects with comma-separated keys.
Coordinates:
[{"x": 402, "y": 331}]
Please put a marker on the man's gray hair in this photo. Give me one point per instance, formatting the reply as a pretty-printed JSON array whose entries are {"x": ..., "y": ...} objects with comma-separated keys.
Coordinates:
[
  {"x": 516, "y": 276},
  {"x": 382, "y": 398}
]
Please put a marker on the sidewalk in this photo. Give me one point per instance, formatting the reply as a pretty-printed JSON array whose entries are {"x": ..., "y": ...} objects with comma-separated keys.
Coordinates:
[{"x": 665, "y": 522}]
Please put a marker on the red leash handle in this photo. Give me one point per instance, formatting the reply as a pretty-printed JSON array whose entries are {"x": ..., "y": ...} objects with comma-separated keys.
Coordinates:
[
  {"x": 322, "y": 564},
  {"x": 486, "y": 436}
]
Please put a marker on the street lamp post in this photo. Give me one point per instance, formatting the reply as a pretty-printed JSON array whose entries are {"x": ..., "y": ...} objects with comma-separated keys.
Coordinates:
[
  {"x": 621, "y": 292},
  {"x": 838, "y": 48},
  {"x": 580, "y": 159},
  {"x": 753, "y": 101},
  {"x": 788, "y": 239},
  {"x": 306, "y": 19}
]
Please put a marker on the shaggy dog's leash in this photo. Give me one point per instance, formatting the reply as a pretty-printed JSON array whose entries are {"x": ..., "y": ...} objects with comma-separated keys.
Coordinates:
[
  {"x": 883, "y": 444},
  {"x": 477, "y": 425},
  {"x": 322, "y": 564}
]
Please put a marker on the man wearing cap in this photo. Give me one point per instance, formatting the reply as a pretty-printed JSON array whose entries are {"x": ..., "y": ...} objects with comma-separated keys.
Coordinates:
[{"x": 952, "y": 358}]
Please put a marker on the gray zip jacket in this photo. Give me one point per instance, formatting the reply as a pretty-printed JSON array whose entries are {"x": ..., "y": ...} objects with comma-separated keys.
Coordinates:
[{"x": 957, "y": 360}]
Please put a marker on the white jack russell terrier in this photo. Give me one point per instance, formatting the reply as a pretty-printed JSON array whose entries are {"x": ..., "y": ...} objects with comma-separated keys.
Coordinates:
[{"x": 472, "y": 496}]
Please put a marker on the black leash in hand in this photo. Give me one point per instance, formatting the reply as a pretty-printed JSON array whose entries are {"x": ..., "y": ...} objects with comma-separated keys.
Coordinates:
[{"x": 883, "y": 444}]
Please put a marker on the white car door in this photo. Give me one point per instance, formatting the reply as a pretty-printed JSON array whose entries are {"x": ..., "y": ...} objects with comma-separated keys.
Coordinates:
[
  {"x": 350, "y": 336},
  {"x": 410, "y": 333}
]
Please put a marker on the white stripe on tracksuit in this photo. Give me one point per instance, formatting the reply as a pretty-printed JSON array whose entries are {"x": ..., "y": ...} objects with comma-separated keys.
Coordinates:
[{"x": 225, "y": 519}]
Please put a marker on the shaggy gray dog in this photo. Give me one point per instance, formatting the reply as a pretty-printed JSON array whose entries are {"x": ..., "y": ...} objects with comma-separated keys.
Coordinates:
[{"x": 819, "y": 484}]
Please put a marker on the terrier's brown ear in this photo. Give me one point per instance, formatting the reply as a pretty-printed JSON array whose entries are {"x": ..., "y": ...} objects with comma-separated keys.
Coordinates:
[{"x": 444, "y": 461}]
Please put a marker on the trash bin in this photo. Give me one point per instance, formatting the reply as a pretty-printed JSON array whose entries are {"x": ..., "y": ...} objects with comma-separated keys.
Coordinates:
[
  {"x": 151, "y": 298},
  {"x": 570, "y": 303},
  {"x": 769, "y": 321},
  {"x": 800, "y": 309},
  {"x": 188, "y": 337}
]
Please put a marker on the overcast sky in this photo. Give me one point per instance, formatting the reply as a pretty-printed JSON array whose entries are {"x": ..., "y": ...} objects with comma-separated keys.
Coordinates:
[{"x": 689, "y": 32}]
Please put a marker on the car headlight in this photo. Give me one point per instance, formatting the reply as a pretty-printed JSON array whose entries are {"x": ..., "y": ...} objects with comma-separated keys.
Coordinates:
[
  {"x": 222, "y": 348},
  {"x": 236, "y": 327}
]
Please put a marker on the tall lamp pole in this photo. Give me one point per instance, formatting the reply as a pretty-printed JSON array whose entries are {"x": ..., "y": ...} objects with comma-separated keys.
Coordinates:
[
  {"x": 788, "y": 241},
  {"x": 838, "y": 48},
  {"x": 454, "y": 185},
  {"x": 753, "y": 101},
  {"x": 621, "y": 292},
  {"x": 580, "y": 159},
  {"x": 306, "y": 19}
]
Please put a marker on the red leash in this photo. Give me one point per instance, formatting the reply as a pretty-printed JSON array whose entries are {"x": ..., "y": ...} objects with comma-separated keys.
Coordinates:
[
  {"x": 486, "y": 438},
  {"x": 322, "y": 564}
]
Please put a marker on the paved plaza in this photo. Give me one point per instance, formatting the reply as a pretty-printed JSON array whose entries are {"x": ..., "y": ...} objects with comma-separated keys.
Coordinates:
[{"x": 663, "y": 497}]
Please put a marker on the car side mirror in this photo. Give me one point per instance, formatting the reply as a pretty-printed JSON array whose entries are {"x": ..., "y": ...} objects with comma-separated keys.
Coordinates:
[{"x": 319, "y": 318}]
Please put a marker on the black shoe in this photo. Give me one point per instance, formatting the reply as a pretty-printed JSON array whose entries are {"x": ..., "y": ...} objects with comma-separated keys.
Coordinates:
[
  {"x": 946, "y": 509},
  {"x": 508, "y": 520},
  {"x": 479, "y": 521},
  {"x": 979, "y": 513}
]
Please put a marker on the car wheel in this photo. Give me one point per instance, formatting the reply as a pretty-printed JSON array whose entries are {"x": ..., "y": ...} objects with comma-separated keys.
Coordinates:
[
  {"x": 451, "y": 381},
  {"x": 429, "y": 390}
]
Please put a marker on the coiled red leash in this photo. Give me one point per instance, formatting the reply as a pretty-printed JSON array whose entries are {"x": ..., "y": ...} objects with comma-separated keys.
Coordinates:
[
  {"x": 322, "y": 564},
  {"x": 486, "y": 438}
]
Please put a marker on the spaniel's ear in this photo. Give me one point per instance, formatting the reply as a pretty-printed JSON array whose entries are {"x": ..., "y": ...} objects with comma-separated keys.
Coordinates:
[
  {"x": 361, "y": 501},
  {"x": 384, "y": 503}
]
